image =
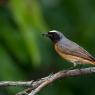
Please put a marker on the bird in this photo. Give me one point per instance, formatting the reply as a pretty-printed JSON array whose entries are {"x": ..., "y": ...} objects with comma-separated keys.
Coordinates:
[{"x": 68, "y": 49}]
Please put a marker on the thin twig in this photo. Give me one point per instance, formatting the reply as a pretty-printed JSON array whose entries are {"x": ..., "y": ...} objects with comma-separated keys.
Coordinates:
[{"x": 15, "y": 83}]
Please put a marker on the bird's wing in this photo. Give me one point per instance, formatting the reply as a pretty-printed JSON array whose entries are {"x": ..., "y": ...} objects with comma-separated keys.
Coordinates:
[{"x": 75, "y": 50}]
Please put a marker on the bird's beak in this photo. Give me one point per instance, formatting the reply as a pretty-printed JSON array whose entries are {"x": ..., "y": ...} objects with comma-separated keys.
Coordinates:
[{"x": 45, "y": 34}]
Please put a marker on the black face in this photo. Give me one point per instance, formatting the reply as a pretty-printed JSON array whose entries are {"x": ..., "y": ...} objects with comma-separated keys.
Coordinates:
[{"x": 54, "y": 36}]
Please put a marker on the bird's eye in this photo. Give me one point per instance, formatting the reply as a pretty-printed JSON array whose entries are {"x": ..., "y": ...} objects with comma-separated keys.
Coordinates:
[{"x": 54, "y": 34}]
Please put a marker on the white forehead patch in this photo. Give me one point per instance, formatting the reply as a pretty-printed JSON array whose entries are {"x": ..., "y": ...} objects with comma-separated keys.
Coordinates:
[{"x": 53, "y": 31}]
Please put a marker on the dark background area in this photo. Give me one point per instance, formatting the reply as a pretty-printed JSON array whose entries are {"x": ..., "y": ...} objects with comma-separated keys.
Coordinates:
[{"x": 26, "y": 55}]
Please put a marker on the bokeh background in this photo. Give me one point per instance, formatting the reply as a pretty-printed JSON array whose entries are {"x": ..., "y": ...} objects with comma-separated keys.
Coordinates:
[{"x": 26, "y": 55}]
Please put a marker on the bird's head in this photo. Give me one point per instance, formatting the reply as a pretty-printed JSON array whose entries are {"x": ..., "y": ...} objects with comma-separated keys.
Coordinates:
[{"x": 54, "y": 35}]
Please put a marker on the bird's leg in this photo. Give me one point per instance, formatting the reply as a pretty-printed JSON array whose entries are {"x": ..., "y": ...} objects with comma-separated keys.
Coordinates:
[
  {"x": 73, "y": 67},
  {"x": 75, "y": 64}
]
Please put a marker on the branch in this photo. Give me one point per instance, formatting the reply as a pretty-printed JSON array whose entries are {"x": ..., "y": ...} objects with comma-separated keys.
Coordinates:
[
  {"x": 35, "y": 86},
  {"x": 62, "y": 74},
  {"x": 15, "y": 83}
]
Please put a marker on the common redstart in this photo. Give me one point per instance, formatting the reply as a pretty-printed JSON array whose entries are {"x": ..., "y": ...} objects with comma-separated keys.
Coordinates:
[{"x": 68, "y": 49}]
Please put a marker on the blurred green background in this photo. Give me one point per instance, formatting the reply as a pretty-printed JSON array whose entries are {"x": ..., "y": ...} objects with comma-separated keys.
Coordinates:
[{"x": 26, "y": 55}]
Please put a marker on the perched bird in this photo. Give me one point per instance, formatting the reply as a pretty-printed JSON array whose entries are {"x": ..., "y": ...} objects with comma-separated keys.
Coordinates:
[{"x": 68, "y": 49}]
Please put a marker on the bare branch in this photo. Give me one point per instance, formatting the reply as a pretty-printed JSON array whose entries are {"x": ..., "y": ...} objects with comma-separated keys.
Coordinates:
[
  {"x": 35, "y": 86},
  {"x": 67, "y": 73},
  {"x": 15, "y": 83}
]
